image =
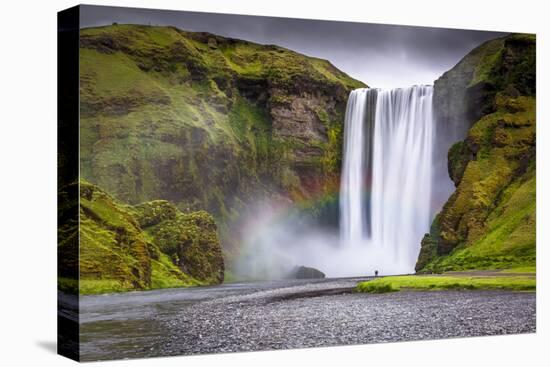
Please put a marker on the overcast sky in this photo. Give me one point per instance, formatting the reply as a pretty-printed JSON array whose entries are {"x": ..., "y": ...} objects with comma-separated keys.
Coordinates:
[{"x": 382, "y": 56}]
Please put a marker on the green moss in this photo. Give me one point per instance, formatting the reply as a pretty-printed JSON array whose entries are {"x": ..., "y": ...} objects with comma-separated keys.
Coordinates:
[
  {"x": 191, "y": 241},
  {"x": 68, "y": 285},
  {"x": 113, "y": 251},
  {"x": 507, "y": 61},
  {"x": 489, "y": 222},
  {"x": 281, "y": 65},
  {"x": 489, "y": 60},
  {"x": 167, "y": 275},
  {"x": 332, "y": 157},
  {"x": 521, "y": 269},
  {"x": 459, "y": 156},
  {"x": 446, "y": 282},
  {"x": 99, "y": 286},
  {"x": 121, "y": 248},
  {"x": 114, "y": 74},
  {"x": 163, "y": 107},
  {"x": 330, "y": 72},
  {"x": 154, "y": 212},
  {"x": 429, "y": 246},
  {"x": 252, "y": 127},
  {"x": 510, "y": 240},
  {"x": 376, "y": 287}
]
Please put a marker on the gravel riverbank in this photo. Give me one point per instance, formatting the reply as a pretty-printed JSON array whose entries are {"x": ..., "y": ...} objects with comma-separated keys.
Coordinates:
[{"x": 281, "y": 315}]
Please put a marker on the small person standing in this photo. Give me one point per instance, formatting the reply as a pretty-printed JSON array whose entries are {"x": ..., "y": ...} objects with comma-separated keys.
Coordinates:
[{"x": 376, "y": 273}]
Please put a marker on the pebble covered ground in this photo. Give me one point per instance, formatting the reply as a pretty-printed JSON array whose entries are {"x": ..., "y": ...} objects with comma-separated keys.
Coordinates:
[{"x": 298, "y": 315}]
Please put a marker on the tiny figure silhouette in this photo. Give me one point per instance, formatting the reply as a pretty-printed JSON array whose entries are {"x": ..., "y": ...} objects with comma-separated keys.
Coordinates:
[{"x": 376, "y": 273}]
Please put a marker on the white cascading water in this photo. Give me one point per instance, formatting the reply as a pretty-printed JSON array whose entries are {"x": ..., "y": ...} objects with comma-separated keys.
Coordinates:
[
  {"x": 385, "y": 191},
  {"x": 353, "y": 205}
]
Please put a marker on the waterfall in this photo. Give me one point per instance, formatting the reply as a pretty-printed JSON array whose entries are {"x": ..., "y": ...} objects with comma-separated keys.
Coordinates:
[
  {"x": 385, "y": 191},
  {"x": 354, "y": 203}
]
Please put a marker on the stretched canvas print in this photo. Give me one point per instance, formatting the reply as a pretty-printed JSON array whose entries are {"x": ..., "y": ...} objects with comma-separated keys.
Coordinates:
[{"x": 235, "y": 183}]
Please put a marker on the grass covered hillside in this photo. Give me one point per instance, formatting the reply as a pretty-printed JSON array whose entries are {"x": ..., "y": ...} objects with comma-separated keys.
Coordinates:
[
  {"x": 451, "y": 281},
  {"x": 207, "y": 122},
  {"x": 147, "y": 246},
  {"x": 489, "y": 222}
]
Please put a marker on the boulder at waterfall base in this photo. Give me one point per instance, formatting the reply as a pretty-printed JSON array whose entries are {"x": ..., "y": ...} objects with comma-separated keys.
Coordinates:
[{"x": 305, "y": 272}]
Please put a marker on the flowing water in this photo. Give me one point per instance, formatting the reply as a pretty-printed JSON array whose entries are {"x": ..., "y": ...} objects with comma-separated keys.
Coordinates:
[
  {"x": 386, "y": 195},
  {"x": 385, "y": 192},
  {"x": 288, "y": 314}
]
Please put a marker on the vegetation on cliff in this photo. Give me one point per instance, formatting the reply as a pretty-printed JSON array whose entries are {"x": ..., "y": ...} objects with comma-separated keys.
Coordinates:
[
  {"x": 210, "y": 123},
  {"x": 207, "y": 122},
  {"x": 489, "y": 221},
  {"x": 147, "y": 246}
]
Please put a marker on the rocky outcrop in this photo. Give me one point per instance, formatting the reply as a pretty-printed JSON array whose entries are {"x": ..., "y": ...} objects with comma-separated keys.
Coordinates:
[
  {"x": 462, "y": 95},
  {"x": 305, "y": 272},
  {"x": 147, "y": 246},
  {"x": 467, "y": 92},
  {"x": 191, "y": 241},
  {"x": 489, "y": 220},
  {"x": 207, "y": 122}
]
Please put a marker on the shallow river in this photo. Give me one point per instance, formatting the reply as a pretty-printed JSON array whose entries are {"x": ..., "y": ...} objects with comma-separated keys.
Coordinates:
[{"x": 288, "y": 314}]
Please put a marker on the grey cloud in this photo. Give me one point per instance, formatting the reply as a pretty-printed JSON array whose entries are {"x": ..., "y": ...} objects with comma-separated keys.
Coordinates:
[{"x": 378, "y": 54}]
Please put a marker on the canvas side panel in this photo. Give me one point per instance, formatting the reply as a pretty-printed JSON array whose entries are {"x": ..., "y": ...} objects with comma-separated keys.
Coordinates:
[{"x": 68, "y": 188}]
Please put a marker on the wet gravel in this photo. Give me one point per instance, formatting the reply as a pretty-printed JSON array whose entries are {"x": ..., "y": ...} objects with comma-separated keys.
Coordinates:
[{"x": 298, "y": 315}]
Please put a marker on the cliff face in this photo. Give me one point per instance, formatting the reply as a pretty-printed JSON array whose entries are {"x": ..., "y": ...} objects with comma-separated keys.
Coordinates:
[
  {"x": 489, "y": 220},
  {"x": 147, "y": 246},
  {"x": 205, "y": 121}
]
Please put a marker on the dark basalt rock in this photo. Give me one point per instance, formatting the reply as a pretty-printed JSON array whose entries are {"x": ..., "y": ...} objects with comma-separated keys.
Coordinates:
[
  {"x": 458, "y": 157},
  {"x": 304, "y": 272}
]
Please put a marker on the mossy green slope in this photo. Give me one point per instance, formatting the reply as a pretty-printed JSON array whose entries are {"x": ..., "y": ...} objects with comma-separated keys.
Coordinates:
[
  {"x": 489, "y": 221},
  {"x": 189, "y": 240},
  {"x": 448, "y": 282},
  {"x": 206, "y": 122},
  {"x": 147, "y": 246}
]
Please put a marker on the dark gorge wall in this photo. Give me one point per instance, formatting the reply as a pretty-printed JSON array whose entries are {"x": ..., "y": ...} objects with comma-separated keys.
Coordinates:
[
  {"x": 206, "y": 122},
  {"x": 485, "y": 105}
]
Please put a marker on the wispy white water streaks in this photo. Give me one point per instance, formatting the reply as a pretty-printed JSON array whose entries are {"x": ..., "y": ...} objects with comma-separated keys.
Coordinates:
[{"x": 386, "y": 182}]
